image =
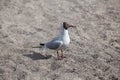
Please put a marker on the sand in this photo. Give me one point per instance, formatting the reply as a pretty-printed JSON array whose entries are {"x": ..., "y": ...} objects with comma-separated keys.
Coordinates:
[{"x": 93, "y": 54}]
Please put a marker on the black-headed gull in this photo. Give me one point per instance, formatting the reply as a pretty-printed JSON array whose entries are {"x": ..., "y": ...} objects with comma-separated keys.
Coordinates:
[{"x": 60, "y": 42}]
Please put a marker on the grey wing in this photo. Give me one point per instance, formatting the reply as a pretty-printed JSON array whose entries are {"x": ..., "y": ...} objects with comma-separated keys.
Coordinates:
[{"x": 54, "y": 44}]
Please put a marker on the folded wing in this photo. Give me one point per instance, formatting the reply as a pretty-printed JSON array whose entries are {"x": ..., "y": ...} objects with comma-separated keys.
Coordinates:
[{"x": 54, "y": 44}]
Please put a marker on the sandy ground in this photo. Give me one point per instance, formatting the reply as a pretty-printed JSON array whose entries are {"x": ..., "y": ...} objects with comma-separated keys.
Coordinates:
[{"x": 93, "y": 54}]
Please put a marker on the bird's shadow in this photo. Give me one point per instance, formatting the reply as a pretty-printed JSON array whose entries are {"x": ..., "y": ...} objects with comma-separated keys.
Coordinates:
[{"x": 37, "y": 56}]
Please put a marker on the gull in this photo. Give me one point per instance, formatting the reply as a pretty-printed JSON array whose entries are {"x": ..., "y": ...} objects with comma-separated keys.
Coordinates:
[{"x": 60, "y": 42}]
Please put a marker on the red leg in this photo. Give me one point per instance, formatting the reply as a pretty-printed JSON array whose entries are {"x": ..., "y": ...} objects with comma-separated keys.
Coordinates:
[
  {"x": 62, "y": 56},
  {"x": 58, "y": 56}
]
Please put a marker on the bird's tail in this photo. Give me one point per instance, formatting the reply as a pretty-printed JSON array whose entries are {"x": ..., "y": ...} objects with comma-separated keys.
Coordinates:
[
  {"x": 40, "y": 46},
  {"x": 43, "y": 47}
]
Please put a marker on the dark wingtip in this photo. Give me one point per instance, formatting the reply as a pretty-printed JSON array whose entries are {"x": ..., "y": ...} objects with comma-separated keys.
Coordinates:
[{"x": 42, "y": 44}]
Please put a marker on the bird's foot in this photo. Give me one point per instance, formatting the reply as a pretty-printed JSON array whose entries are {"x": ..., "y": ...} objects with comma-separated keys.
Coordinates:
[
  {"x": 63, "y": 56},
  {"x": 59, "y": 58}
]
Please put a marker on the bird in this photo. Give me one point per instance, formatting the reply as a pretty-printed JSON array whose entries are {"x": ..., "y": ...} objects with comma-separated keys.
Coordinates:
[{"x": 60, "y": 42}]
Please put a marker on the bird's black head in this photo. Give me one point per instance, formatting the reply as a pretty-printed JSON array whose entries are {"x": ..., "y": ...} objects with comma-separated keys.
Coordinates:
[{"x": 66, "y": 25}]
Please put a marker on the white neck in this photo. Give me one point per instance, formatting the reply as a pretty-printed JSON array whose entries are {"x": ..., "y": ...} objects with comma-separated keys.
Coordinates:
[
  {"x": 64, "y": 35},
  {"x": 63, "y": 31}
]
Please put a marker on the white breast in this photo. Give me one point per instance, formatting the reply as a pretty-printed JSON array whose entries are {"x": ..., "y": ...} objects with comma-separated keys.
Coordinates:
[
  {"x": 64, "y": 37},
  {"x": 66, "y": 40}
]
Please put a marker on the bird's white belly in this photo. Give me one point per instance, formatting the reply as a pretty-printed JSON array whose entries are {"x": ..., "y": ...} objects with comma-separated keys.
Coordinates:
[
  {"x": 64, "y": 37},
  {"x": 64, "y": 45},
  {"x": 66, "y": 42}
]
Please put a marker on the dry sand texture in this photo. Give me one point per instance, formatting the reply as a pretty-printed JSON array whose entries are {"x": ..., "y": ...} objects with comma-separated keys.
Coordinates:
[{"x": 94, "y": 54}]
